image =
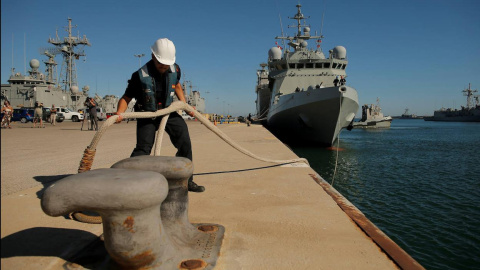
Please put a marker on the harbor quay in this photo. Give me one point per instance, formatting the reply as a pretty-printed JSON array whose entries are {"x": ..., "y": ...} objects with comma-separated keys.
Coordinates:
[{"x": 276, "y": 216}]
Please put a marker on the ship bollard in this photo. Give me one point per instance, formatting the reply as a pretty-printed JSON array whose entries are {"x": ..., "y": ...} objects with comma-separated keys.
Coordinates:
[
  {"x": 201, "y": 241},
  {"x": 128, "y": 202},
  {"x": 144, "y": 214}
]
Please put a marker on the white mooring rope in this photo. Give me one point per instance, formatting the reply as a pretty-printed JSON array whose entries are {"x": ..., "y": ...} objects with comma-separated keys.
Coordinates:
[{"x": 175, "y": 106}]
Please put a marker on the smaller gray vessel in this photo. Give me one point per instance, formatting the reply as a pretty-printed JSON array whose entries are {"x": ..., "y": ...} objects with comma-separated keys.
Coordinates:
[
  {"x": 471, "y": 113},
  {"x": 372, "y": 117}
]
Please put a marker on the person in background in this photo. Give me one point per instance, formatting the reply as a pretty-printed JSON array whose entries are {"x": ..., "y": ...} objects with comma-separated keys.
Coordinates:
[
  {"x": 7, "y": 114},
  {"x": 342, "y": 80},
  {"x": 38, "y": 114},
  {"x": 92, "y": 112},
  {"x": 153, "y": 86},
  {"x": 335, "y": 82},
  {"x": 53, "y": 115}
]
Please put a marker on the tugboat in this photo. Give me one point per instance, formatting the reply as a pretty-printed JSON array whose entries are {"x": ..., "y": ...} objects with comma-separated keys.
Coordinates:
[
  {"x": 372, "y": 117},
  {"x": 471, "y": 113},
  {"x": 309, "y": 100}
]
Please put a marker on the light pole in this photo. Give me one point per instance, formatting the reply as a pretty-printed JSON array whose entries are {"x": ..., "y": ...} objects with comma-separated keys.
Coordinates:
[
  {"x": 206, "y": 92},
  {"x": 139, "y": 56}
]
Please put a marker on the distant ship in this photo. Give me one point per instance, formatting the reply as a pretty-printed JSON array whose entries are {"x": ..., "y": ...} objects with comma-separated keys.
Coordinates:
[
  {"x": 25, "y": 90},
  {"x": 263, "y": 92},
  {"x": 192, "y": 98},
  {"x": 407, "y": 115},
  {"x": 372, "y": 117},
  {"x": 471, "y": 113},
  {"x": 304, "y": 104}
]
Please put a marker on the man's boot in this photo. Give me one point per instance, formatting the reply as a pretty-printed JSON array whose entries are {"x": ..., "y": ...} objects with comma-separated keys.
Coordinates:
[{"x": 194, "y": 187}]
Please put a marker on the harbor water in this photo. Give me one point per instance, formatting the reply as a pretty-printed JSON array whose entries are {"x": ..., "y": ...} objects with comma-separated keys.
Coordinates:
[{"x": 418, "y": 181}]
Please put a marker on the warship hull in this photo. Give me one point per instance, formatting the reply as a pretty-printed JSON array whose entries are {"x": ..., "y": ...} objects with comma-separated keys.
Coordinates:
[
  {"x": 314, "y": 116},
  {"x": 386, "y": 122}
]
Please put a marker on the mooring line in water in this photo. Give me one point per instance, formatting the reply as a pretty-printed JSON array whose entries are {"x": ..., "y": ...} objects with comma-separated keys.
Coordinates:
[{"x": 338, "y": 137}]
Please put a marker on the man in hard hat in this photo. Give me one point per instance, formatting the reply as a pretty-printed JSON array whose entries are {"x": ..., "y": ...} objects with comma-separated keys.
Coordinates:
[{"x": 153, "y": 86}]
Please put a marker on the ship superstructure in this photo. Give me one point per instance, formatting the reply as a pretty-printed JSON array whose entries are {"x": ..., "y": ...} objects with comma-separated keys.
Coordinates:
[{"x": 309, "y": 99}]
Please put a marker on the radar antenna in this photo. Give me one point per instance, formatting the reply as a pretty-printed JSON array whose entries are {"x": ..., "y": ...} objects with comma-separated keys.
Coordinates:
[
  {"x": 51, "y": 65},
  {"x": 299, "y": 37}
]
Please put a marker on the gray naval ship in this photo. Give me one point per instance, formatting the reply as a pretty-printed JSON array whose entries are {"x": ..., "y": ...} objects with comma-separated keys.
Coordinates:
[
  {"x": 193, "y": 97},
  {"x": 471, "y": 113},
  {"x": 23, "y": 90},
  {"x": 305, "y": 105}
]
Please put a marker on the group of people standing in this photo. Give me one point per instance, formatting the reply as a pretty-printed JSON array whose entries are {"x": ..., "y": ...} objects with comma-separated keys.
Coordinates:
[
  {"x": 91, "y": 105},
  {"x": 342, "y": 81}
]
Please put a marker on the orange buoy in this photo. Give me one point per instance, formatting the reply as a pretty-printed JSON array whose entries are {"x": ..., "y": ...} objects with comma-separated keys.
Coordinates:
[{"x": 333, "y": 148}]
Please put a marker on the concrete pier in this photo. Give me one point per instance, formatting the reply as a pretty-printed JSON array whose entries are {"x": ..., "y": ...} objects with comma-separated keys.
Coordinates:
[{"x": 275, "y": 216}]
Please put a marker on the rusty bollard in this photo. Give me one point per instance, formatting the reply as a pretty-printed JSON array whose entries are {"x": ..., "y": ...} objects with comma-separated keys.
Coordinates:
[
  {"x": 197, "y": 244},
  {"x": 174, "y": 209},
  {"x": 128, "y": 202}
]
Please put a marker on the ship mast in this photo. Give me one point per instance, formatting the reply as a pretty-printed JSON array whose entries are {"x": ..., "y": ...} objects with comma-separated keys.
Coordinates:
[
  {"x": 68, "y": 74},
  {"x": 469, "y": 94},
  {"x": 299, "y": 37}
]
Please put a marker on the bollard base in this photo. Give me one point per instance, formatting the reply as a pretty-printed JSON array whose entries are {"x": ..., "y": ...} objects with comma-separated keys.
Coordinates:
[{"x": 202, "y": 252}]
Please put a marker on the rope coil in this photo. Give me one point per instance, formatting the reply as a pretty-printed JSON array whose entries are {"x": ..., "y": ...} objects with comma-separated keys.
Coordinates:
[{"x": 87, "y": 160}]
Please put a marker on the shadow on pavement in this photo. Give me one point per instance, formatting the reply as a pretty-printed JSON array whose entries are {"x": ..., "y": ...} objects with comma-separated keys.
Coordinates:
[
  {"x": 47, "y": 180},
  {"x": 55, "y": 242}
]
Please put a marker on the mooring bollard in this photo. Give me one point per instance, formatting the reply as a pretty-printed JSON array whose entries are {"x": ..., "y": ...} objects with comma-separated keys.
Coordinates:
[
  {"x": 128, "y": 202},
  {"x": 198, "y": 245},
  {"x": 174, "y": 209},
  {"x": 145, "y": 218}
]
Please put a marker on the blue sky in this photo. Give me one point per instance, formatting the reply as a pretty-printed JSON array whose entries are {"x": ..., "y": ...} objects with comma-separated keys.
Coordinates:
[{"x": 416, "y": 54}]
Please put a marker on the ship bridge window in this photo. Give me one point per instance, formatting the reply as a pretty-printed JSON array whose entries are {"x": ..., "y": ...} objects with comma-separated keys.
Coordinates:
[
  {"x": 339, "y": 66},
  {"x": 292, "y": 65},
  {"x": 309, "y": 65},
  {"x": 300, "y": 65},
  {"x": 344, "y": 66},
  {"x": 319, "y": 65},
  {"x": 334, "y": 65},
  {"x": 326, "y": 65}
]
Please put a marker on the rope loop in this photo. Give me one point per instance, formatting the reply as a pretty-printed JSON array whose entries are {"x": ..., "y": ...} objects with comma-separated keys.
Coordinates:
[{"x": 87, "y": 160}]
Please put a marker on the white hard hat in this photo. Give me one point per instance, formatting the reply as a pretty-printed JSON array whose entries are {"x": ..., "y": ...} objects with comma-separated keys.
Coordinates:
[{"x": 164, "y": 51}]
